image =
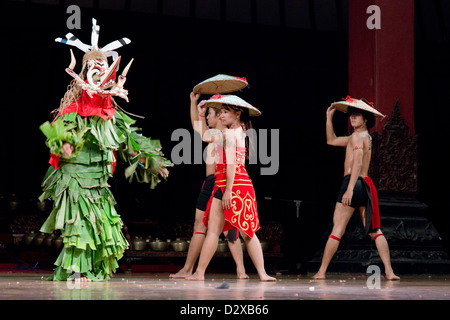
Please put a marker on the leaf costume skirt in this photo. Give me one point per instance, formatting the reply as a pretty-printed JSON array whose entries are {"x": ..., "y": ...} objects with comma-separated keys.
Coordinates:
[
  {"x": 84, "y": 209},
  {"x": 90, "y": 226}
]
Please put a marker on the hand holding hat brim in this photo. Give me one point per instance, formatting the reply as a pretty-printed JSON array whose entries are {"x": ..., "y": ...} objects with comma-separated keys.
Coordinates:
[{"x": 358, "y": 104}]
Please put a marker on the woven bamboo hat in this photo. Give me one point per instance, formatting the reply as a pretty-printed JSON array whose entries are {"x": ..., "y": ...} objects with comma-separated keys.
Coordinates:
[
  {"x": 217, "y": 100},
  {"x": 221, "y": 83},
  {"x": 357, "y": 103}
]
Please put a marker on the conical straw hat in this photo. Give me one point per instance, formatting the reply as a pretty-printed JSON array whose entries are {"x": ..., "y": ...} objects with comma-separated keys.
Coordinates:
[
  {"x": 221, "y": 83},
  {"x": 356, "y": 103},
  {"x": 217, "y": 100}
]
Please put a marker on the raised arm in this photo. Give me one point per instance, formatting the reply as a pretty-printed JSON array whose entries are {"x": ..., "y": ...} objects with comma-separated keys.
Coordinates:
[
  {"x": 332, "y": 140},
  {"x": 194, "y": 111},
  {"x": 200, "y": 125}
]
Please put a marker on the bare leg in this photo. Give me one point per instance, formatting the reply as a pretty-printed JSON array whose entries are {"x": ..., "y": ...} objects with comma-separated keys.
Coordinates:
[
  {"x": 194, "y": 248},
  {"x": 383, "y": 251},
  {"x": 238, "y": 256},
  {"x": 216, "y": 221},
  {"x": 255, "y": 252},
  {"x": 382, "y": 247},
  {"x": 340, "y": 220}
]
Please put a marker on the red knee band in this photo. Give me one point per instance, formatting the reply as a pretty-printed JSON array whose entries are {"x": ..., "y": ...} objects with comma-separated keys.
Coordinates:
[
  {"x": 334, "y": 237},
  {"x": 378, "y": 235},
  {"x": 200, "y": 233}
]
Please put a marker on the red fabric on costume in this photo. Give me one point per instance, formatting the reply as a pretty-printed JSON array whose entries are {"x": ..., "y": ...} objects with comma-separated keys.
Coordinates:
[
  {"x": 115, "y": 162},
  {"x": 334, "y": 237},
  {"x": 54, "y": 160},
  {"x": 86, "y": 107},
  {"x": 243, "y": 214},
  {"x": 378, "y": 235},
  {"x": 375, "y": 208},
  {"x": 95, "y": 106}
]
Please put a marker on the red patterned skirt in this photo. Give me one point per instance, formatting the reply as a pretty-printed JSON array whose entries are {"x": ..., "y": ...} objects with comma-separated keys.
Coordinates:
[{"x": 243, "y": 213}]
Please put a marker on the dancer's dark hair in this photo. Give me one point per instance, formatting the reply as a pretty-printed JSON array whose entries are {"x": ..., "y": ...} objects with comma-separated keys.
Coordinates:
[
  {"x": 246, "y": 124},
  {"x": 369, "y": 116}
]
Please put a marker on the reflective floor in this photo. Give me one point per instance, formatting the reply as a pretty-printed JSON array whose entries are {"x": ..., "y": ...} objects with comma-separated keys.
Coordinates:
[{"x": 152, "y": 286}]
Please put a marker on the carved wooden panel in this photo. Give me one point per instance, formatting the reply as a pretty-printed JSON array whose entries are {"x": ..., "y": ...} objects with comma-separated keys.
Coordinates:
[{"x": 394, "y": 156}]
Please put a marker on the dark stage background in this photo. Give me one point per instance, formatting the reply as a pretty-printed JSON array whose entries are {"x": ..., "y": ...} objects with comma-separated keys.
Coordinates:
[{"x": 294, "y": 55}]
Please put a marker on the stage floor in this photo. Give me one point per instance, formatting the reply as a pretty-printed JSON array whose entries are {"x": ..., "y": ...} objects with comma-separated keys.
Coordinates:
[{"x": 152, "y": 286}]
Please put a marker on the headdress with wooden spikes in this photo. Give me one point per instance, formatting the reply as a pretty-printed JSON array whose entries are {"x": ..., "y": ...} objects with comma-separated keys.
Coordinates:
[
  {"x": 99, "y": 78},
  {"x": 107, "y": 51}
]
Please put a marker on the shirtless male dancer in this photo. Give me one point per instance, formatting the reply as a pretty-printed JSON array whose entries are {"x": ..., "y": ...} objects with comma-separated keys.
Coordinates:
[
  {"x": 234, "y": 243},
  {"x": 353, "y": 193}
]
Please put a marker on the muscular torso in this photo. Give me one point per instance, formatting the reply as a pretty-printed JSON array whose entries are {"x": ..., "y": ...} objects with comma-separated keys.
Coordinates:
[{"x": 366, "y": 144}]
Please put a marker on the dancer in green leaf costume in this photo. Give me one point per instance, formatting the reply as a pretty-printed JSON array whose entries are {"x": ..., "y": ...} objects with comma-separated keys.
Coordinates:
[{"x": 86, "y": 138}]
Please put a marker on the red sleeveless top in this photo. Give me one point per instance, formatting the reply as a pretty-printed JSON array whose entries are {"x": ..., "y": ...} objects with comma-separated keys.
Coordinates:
[{"x": 243, "y": 213}]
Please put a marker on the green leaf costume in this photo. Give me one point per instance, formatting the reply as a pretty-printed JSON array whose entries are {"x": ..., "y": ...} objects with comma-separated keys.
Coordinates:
[{"x": 84, "y": 207}]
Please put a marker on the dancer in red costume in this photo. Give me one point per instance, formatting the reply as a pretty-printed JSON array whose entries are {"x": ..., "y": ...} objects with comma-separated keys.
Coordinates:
[
  {"x": 357, "y": 190},
  {"x": 233, "y": 203},
  {"x": 198, "y": 237}
]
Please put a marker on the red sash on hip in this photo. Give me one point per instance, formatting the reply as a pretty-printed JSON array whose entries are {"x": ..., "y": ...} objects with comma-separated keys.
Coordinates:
[{"x": 374, "y": 203}]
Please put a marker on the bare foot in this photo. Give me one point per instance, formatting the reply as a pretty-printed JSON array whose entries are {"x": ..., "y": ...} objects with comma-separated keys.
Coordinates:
[
  {"x": 195, "y": 277},
  {"x": 319, "y": 276},
  {"x": 180, "y": 275},
  {"x": 266, "y": 277},
  {"x": 392, "y": 277},
  {"x": 243, "y": 275},
  {"x": 82, "y": 279},
  {"x": 240, "y": 272}
]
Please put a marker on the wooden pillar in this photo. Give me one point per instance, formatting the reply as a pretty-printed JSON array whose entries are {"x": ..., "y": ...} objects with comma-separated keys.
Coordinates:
[{"x": 381, "y": 61}]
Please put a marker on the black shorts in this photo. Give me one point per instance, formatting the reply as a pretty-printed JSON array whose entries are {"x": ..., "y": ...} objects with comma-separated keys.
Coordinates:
[
  {"x": 232, "y": 235},
  {"x": 205, "y": 193},
  {"x": 218, "y": 194},
  {"x": 359, "y": 198}
]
